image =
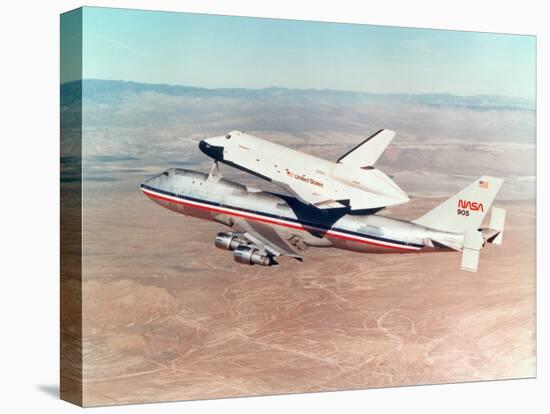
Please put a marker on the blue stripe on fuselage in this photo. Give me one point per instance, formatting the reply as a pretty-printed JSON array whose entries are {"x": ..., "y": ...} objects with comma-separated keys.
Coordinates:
[{"x": 320, "y": 226}]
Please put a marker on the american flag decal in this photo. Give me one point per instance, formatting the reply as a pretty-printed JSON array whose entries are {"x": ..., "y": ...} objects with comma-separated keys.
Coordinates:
[{"x": 484, "y": 184}]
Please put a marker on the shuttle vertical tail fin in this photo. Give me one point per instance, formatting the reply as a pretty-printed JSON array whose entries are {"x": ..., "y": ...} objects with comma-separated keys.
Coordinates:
[{"x": 367, "y": 152}]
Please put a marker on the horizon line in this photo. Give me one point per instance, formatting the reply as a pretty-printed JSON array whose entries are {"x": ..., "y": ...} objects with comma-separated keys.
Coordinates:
[{"x": 297, "y": 89}]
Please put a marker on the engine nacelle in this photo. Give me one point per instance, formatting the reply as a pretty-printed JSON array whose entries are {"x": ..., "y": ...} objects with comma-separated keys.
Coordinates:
[
  {"x": 228, "y": 241},
  {"x": 250, "y": 256}
]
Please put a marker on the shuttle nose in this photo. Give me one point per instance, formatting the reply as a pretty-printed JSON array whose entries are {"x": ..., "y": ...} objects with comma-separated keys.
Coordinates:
[{"x": 210, "y": 148}]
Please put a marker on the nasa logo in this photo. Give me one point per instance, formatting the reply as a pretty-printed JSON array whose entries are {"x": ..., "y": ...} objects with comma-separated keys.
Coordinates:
[{"x": 470, "y": 205}]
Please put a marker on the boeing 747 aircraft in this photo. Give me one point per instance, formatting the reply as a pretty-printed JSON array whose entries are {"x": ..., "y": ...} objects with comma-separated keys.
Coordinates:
[{"x": 265, "y": 225}]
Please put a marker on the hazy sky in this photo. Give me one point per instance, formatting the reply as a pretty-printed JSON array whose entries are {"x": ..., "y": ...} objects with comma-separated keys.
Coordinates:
[{"x": 220, "y": 51}]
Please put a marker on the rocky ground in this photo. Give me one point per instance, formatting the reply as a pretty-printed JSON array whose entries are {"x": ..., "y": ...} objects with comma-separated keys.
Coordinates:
[{"x": 167, "y": 316}]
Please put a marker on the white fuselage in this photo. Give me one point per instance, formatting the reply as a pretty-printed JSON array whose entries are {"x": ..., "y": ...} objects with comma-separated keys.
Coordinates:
[{"x": 192, "y": 194}]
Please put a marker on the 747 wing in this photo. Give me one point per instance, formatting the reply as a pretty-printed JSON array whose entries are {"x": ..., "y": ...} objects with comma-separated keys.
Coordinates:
[{"x": 266, "y": 238}]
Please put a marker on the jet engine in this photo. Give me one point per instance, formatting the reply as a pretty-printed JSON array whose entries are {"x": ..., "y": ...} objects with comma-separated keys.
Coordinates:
[
  {"x": 243, "y": 253},
  {"x": 250, "y": 256},
  {"x": 228, "y": 241}
]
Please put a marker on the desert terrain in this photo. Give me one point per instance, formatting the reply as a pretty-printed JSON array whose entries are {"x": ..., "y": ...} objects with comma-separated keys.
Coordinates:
[{"x": 167, "y": 316}]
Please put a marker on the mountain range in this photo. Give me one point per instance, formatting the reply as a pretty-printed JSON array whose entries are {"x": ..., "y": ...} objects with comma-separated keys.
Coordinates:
[{"x": 98, "y": 90}]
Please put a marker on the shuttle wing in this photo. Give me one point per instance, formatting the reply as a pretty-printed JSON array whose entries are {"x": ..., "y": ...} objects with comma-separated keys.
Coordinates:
[
  {"x": 265, "y": 237},
  {"x": 306, "y": 195},
  {"x": 342, "y": 194}
]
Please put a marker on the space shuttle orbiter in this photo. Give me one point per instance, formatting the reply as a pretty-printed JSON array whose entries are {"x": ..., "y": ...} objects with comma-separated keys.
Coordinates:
[{"x": 351, "y": 182}]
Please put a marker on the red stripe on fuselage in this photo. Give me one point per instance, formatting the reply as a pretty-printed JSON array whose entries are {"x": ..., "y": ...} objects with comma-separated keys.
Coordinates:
[{"x": 265, "y": 220}]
